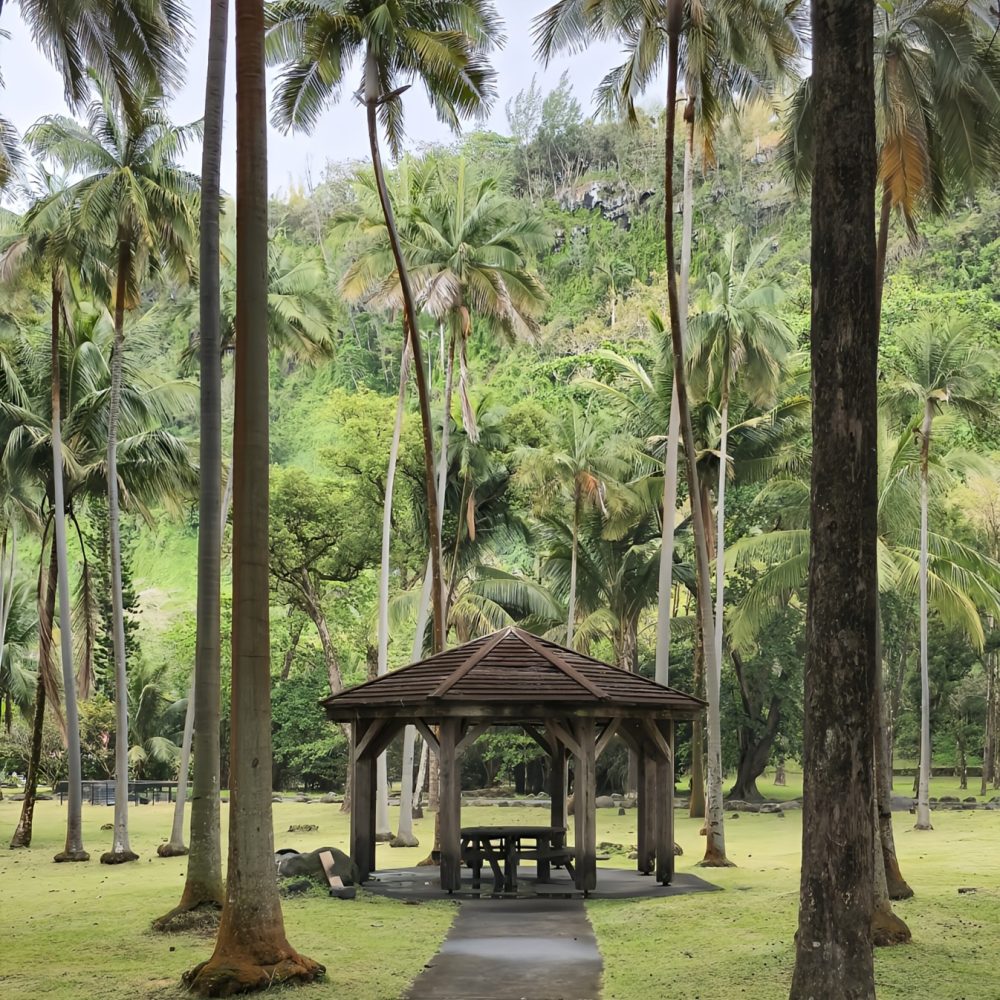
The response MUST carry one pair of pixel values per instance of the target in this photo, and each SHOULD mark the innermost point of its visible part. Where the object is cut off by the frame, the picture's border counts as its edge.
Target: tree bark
(834, 941)
(372, 97)
(251, 951)
(46, 612)
(121, 851)
(923, 785)
(74, 821)
(755, 748)
(574, 553)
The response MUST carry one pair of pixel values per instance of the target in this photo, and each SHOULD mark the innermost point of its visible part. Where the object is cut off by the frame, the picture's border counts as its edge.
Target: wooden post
(585, 806)
(665, 811)
(362, 804)
(557, 784)
(646, 810)
(450, 806)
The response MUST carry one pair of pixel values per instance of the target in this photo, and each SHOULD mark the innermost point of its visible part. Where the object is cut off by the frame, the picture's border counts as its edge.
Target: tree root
(201, 917)
(118, 857)
(898, 887)
(63, 856)
(713, 859)
(404, 840)
(228, 975)
(888, 929)
(169, 850)
(383, 838)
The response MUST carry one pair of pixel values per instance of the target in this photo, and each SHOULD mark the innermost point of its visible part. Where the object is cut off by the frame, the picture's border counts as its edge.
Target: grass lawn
(76, 932)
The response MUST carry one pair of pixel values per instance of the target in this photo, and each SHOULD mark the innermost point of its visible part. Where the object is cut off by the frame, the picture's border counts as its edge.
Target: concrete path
(526, 949)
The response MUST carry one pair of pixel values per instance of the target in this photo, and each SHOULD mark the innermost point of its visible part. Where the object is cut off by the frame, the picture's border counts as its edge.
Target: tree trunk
(372, 98)
(120, 851)
(74, 821)
(203, 885)
(882, 244)
(715, 844)
(836, 896)
(887, 928)
(696, 806)
(293, 645)
(46, 613)
(923, 785)
(175, 846)
(251, 951)
(989, 737)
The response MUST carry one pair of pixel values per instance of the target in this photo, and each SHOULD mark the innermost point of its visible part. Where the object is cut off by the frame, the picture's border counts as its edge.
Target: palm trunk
(574, 551)
(382, 828)
(120, 850)
(251, 951)
(673, 429)
(833, 946)
(175, 846)
(372, 97)
(882, 243)
(46, 613)
(74, 821)
(715, 842)
(923, 787)
(887, 928)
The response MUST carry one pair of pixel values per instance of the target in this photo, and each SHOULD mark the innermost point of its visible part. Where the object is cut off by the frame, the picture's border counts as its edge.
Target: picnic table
(502, 847)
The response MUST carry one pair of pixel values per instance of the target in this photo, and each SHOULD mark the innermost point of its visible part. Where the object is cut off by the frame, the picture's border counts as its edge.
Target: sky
(33, 88)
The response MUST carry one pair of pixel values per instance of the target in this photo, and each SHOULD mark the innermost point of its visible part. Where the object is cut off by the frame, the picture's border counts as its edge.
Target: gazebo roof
(508, 673)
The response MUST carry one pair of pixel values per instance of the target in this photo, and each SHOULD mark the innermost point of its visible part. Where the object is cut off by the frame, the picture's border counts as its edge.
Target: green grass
(75, 932)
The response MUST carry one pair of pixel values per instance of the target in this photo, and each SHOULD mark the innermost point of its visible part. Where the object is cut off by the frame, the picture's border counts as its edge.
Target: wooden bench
(544, 857)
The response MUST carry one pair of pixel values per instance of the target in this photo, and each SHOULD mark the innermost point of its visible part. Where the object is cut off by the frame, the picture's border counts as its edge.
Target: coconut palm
(132, 197)
(134, 46)
(941, 363)
(937, 94)
(445, 46)
(251, 950)
(20, 625)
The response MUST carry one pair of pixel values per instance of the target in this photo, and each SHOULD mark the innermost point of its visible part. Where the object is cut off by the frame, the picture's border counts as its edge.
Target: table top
(511, 831)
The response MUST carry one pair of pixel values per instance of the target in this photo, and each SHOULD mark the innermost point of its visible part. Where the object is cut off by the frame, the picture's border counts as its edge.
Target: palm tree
(580, 463)
(203, 884)
(134, 197)
(941, 361)
(11, 156)
(133, 46)
(251, 950)
(445, 46)
(937, 95)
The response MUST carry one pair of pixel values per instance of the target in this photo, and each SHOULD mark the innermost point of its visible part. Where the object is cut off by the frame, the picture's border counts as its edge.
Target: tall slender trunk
(251, 951)
(574, 554)
(882, 242)
(923, 786)
(673, 428)
(372, 97)
(74, 821)
(8, 568)
(120, 850)
(382, 828)
(46, 613)
(715, 841)
(203, 886)
(887, 927)
(989, 737)
(833, 946)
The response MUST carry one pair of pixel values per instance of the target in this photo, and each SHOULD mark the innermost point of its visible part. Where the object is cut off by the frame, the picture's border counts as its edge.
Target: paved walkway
(524, 949)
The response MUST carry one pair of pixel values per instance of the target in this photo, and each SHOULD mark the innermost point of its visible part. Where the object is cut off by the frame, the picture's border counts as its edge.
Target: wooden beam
(362, 807)
(449, 806)
(630, 731)
(541, 739)
(564, 736)
(606, 737)
(371, 731)
(585, 806)
(456, 675)
(558, 768)
(646, 815)
(665, 813)
(470, 737)
(560, 664)
(655, 737)
(429, 738)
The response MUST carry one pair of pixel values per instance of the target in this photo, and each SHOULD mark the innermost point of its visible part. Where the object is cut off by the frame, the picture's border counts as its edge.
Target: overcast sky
(33, 89)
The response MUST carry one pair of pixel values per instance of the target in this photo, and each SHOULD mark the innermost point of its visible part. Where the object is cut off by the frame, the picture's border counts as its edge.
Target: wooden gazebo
(569, 703)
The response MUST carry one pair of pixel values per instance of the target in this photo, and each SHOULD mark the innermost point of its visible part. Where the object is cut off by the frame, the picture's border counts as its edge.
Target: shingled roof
(510, 668)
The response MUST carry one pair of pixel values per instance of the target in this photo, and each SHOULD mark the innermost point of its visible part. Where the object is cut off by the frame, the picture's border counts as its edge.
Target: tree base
(678, 850)
(171, 850)
(384, 837)
(229, 975)
(923, 826)
(713, 859)
(17, 842)
(64, 856)
(187, 918)
(118, 857)
(888, 929)
(428, 862)
(898, 888)
(404, 840)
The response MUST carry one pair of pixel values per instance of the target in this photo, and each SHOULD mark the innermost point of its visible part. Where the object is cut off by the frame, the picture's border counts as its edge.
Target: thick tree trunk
(46, 612)
(372, 98)
(924, 783)
(121, 851)
(834, 939)
(696, 806)
(74, 821)
(203, 885)
(251, 951)
(887, 927)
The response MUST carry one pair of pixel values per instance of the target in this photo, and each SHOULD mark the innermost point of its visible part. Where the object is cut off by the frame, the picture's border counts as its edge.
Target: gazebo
(569, 703)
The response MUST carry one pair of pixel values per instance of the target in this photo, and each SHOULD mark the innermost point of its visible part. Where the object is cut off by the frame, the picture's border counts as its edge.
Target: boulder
(948, 798)
(604, 802)
(790, 806)
(329, 799)
(277, 798)
(303, 828)
(308, 865)
(902, 803)
(971, 798)
(772, 808)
